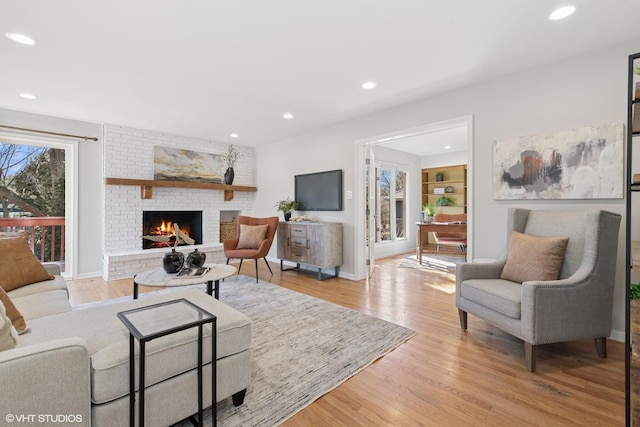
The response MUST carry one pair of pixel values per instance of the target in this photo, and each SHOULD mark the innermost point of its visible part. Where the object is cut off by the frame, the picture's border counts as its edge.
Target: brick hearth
(129, 154)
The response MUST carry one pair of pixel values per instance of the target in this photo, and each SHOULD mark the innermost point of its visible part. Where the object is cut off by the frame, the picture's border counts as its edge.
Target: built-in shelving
(146, 186)
(447, 181)
(450, 182)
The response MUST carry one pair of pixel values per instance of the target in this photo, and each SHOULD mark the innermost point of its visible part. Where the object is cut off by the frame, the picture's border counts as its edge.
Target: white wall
(582, 91)
(277, 163)
(89, 262)
(446, 159)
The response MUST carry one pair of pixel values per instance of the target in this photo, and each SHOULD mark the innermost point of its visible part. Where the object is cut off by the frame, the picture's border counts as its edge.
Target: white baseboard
(617, 335)
(90, 275)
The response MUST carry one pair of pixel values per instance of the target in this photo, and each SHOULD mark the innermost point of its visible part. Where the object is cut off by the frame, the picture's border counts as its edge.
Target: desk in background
(424, 228)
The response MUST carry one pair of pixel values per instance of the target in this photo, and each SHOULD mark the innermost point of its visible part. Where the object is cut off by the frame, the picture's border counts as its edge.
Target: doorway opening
(427, 146)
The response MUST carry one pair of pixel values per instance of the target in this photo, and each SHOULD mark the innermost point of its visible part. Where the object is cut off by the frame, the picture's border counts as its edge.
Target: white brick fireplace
(129, 154)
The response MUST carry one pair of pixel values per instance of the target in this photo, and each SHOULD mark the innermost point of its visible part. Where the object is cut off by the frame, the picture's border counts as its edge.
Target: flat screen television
(320, 191)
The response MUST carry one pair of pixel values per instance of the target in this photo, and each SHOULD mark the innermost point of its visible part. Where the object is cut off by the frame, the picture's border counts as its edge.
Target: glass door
(370, 210)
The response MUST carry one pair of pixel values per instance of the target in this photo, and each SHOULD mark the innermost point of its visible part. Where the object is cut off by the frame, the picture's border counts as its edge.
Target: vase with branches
(229, 160)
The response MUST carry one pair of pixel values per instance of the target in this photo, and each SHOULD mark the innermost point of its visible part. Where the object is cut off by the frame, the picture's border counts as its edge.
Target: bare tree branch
(20, 202)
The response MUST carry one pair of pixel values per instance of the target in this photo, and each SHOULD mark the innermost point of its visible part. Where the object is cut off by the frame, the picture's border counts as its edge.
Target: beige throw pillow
(251, 236)
(13, 314)
(18, 265)
(534, 258)
(7, 336)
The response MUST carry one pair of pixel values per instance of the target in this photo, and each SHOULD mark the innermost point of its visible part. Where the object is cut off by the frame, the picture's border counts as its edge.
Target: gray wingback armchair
(576, 306)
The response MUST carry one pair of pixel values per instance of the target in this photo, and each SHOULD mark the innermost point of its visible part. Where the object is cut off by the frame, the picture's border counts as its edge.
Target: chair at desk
(456, 239)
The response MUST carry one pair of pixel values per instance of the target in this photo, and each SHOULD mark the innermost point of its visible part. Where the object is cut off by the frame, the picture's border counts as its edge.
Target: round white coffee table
(160, 279)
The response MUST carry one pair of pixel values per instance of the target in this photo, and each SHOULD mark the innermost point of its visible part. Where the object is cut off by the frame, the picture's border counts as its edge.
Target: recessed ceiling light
(368, 85)
(562, 12)
(28, 96)
(20, 38)
(234, 135)
(447, 147)
(287, 116)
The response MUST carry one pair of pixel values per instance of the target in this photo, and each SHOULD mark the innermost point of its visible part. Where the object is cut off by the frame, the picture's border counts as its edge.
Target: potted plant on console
(286, 207)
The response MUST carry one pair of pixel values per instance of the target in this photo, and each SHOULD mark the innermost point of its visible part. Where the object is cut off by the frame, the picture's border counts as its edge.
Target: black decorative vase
(287, 216)
(228, 176)
(172, 261)
(196, 259)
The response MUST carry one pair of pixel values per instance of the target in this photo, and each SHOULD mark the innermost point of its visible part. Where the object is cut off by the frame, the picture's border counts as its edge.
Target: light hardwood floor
(442, 376)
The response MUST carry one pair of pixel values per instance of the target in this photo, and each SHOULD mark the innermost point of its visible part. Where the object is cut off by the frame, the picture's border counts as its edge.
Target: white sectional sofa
(76, 362)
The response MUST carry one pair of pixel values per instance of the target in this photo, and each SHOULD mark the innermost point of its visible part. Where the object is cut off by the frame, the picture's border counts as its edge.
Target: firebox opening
(161, 223)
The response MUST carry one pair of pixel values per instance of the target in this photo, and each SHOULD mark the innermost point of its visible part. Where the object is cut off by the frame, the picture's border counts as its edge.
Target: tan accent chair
(576, 306)
(231, 249)
(454, 239)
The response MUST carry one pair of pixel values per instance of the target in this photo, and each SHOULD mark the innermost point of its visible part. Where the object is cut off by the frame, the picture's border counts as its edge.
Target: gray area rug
(302, 347)
(440, 262)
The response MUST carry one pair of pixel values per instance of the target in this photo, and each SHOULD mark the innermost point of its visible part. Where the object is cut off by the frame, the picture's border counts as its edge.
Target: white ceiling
(207, 68)
(438, 139)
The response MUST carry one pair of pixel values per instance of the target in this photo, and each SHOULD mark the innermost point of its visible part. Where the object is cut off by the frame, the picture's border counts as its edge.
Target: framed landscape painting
(584, 163)
(175, 164)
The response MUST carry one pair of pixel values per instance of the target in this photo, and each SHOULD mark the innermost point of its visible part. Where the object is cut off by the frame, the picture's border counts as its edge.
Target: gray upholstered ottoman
(171, 390)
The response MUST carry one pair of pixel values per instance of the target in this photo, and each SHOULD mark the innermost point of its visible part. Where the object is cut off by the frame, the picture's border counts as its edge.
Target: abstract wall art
(584, 163)
(175, 164)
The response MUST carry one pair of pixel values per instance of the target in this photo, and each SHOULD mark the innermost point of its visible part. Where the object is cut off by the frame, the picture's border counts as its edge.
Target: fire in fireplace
(161, 223)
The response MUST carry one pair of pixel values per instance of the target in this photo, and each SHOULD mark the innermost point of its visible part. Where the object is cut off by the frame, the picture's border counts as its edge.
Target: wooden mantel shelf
(146, 186)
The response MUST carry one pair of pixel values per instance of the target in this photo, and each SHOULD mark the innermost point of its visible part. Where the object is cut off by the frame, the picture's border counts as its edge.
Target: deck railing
(46, 235)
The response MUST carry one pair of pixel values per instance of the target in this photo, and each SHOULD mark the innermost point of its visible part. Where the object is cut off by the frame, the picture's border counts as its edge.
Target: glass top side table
(158, 320)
